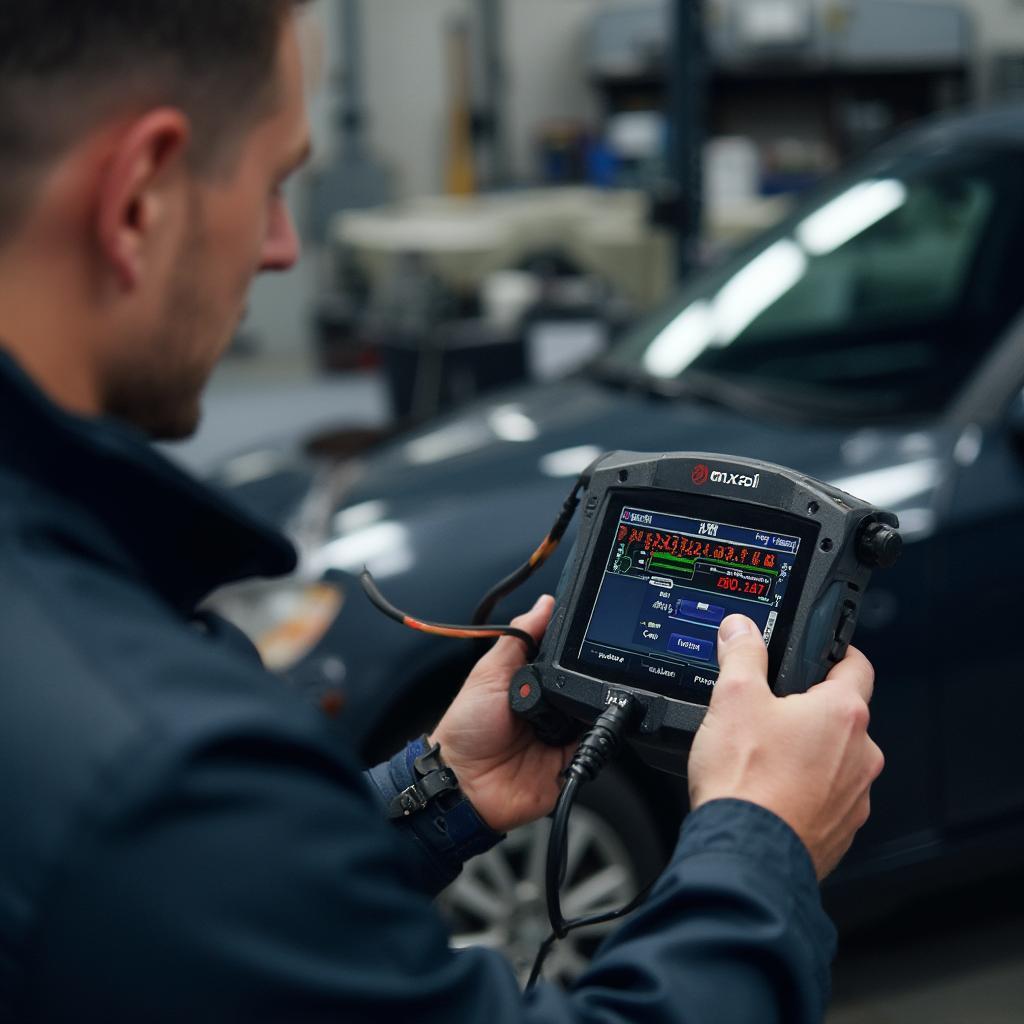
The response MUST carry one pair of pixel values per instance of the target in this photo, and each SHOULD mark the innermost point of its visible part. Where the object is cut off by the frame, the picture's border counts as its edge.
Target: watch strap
(433, 778)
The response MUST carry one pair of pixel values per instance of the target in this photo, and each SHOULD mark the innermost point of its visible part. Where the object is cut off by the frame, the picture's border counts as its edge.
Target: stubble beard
(160, 392)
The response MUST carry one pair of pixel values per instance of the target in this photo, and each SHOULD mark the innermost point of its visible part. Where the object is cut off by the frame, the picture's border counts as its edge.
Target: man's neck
(41, 329)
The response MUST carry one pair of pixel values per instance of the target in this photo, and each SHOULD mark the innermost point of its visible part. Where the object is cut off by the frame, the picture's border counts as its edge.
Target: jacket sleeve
(439, 841)
(252, 879)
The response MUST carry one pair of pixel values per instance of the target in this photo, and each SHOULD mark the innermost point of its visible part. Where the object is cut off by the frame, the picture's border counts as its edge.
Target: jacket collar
(130, 506)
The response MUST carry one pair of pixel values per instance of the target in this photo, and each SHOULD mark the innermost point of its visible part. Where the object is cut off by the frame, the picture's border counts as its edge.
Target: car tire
(614, 851)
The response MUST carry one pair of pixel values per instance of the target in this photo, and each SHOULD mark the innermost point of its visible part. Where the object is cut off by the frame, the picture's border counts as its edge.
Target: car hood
(541, 438)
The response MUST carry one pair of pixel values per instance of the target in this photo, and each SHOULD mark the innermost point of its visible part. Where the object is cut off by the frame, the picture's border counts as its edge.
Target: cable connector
(597, 748)
(603, 740)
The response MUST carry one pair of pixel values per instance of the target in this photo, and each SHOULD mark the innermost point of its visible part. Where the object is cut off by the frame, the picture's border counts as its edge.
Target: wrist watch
(433, 779)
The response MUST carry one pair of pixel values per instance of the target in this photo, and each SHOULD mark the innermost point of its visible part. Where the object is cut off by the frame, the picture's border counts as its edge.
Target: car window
(911, 263)
(889, 290)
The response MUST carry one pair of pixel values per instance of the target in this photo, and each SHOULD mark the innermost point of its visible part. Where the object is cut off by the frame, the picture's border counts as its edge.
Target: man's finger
(742, 655)
(510, 652)
(855, 673)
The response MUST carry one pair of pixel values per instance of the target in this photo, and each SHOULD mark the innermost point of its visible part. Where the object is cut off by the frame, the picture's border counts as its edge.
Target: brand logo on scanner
(701, 475)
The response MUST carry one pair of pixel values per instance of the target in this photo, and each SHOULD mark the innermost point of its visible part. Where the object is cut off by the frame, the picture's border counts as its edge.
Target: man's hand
(807, 757)
(510, 777)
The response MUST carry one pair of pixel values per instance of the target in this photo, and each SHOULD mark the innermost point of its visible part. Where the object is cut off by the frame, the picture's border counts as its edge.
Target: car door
(898, 608)
(979, 625)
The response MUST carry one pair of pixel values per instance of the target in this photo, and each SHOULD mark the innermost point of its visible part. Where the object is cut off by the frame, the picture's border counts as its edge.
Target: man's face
(235, 226)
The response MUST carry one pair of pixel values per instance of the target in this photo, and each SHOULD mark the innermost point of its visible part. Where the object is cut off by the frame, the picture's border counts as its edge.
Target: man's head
(143, 147)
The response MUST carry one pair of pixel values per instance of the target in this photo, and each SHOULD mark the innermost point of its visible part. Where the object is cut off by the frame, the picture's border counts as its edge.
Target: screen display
(664, 582)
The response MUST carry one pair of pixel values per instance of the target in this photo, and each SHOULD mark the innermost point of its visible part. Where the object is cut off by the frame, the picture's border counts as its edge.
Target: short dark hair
(65, 63)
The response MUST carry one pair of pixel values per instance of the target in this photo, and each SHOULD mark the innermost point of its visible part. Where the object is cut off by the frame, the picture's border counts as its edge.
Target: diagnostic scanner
(668, 546)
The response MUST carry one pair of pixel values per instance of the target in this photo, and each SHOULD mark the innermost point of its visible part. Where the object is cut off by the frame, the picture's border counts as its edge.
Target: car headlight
(284, 620)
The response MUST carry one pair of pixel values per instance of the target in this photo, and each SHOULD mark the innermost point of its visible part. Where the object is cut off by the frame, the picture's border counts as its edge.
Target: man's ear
(137, 190)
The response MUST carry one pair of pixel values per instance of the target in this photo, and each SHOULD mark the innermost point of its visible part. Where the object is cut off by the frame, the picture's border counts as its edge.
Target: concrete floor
(251, 402)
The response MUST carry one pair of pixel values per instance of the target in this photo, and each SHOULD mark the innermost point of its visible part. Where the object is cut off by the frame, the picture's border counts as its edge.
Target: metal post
(351, 113)
(491, 115)
(353, 179)
(688, 88)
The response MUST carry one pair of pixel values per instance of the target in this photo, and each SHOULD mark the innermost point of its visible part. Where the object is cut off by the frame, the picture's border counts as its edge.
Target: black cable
(516, 579)
(554, 874)
(382, 604)
(584, 922)
(596, 749)
(479, 629)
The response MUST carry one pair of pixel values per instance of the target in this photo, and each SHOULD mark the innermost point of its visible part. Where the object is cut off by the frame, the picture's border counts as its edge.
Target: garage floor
(958, 959)
(254, 401)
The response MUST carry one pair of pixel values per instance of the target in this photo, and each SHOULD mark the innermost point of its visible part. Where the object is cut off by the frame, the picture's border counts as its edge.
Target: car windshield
(877, 299)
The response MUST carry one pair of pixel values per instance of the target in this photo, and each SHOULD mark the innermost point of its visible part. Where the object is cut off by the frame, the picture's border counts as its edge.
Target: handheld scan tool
(670, 545)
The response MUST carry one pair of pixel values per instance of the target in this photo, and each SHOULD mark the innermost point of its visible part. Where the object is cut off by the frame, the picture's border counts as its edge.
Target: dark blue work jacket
(183, 838)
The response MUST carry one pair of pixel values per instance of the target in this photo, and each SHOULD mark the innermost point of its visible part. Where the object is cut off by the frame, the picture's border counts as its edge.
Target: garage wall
(544, 45)
(1000, 31)
(1000, 23)
(404, 53)
(407, 86)
(407, 81)
(278, 322)
(545, 49)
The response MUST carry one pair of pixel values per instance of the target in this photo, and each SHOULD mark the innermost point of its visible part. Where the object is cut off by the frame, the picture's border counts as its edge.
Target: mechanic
(183, 837)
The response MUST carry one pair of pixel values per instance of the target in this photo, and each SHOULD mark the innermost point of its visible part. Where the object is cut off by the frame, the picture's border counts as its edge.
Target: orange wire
(459, 634)
(543, 553)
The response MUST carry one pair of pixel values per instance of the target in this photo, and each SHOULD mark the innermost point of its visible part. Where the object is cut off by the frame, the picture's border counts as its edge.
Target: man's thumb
(508, 651)
(742, 655)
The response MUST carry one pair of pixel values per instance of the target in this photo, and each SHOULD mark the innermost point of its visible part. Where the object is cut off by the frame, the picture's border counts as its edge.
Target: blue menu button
(701, 611)
(691, 647)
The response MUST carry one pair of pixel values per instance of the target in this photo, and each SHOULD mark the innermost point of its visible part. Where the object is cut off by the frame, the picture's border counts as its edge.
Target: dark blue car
(875, 340)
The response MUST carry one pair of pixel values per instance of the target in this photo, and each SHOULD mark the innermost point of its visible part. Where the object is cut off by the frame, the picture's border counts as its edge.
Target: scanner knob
(879, 546)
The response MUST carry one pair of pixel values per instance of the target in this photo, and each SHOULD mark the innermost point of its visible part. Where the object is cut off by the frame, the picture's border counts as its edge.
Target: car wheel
(498, 900)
